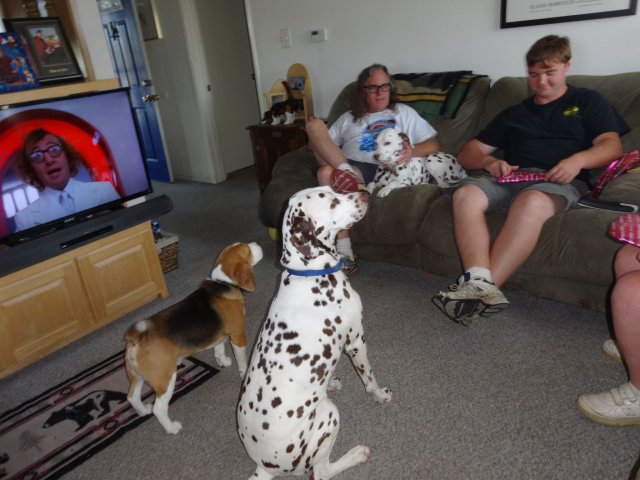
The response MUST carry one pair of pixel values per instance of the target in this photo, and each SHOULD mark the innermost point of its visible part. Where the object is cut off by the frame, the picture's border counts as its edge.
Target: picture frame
(16, 72)
(522, 13)
(47, 47)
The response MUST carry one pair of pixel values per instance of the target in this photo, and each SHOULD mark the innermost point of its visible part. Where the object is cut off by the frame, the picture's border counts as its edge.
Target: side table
(270, 143)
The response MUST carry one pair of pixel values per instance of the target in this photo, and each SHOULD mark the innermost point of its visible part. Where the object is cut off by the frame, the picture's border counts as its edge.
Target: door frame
(203, 89)
(254, 56)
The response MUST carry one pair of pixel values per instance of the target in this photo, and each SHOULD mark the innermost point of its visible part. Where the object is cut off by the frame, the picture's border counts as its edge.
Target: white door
(227, 52)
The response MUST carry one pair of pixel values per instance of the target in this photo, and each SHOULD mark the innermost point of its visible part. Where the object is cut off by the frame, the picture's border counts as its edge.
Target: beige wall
(421, 36)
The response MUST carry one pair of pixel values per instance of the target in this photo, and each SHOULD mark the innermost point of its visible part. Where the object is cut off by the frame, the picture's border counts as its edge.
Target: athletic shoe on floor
(610, 349)
(619, 406)
(346, 181)
(470, 298)
(350, 266)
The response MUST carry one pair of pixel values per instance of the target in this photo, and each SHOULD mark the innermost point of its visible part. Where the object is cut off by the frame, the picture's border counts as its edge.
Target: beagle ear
(303, 236)
(244, 276)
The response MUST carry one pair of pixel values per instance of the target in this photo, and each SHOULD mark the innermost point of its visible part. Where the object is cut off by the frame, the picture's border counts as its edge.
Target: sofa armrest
(292, 172)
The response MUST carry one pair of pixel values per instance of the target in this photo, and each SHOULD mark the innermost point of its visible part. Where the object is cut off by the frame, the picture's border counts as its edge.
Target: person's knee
(536, 204)
(316, 129)
(469, 196)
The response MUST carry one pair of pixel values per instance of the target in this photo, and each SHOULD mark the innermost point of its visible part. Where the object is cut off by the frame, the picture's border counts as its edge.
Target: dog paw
(143, 409)
(224, 361)
(173, 428)
(384, 191)
(383, 395)
(359, 454)
(334, 384)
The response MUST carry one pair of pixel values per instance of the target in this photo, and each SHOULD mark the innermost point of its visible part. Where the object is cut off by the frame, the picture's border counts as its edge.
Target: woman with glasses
(350, 142)
(49, 164)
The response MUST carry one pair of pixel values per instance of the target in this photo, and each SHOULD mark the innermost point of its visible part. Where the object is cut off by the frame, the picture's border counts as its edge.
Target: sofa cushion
(396, 218)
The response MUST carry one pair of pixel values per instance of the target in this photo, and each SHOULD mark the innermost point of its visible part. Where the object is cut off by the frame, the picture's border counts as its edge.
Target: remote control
(606, 205)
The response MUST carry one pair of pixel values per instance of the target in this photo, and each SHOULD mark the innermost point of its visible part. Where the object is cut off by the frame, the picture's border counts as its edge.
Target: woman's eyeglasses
(38, 156)
(385, 87)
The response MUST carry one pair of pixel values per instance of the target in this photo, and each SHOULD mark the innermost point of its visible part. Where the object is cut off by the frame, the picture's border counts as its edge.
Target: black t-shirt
(539, 136)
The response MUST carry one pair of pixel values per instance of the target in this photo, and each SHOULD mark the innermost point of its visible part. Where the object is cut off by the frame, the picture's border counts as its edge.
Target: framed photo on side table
(47, 47)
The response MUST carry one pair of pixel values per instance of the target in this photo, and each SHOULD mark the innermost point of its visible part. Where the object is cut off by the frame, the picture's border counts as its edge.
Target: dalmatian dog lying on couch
(285, 419)
(440, 167)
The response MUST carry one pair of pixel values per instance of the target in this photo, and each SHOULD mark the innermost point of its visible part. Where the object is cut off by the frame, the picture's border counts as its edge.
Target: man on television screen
(49, 164)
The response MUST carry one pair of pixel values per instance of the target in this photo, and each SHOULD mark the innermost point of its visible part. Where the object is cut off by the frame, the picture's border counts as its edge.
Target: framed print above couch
(522, 13)
(47, 47)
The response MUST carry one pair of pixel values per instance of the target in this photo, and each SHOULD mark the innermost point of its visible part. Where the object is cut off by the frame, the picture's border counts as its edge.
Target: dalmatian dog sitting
(443, 168)
(285, 419)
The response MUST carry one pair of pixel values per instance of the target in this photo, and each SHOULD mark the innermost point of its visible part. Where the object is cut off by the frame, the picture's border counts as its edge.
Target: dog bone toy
(626, 228)
(346, 181)
(521, 177)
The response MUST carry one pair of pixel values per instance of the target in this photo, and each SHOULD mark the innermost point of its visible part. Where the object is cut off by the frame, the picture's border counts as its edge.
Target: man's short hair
(549, 49)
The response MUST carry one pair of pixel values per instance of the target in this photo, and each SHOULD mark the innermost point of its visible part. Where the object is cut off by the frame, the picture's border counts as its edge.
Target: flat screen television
(65, 160)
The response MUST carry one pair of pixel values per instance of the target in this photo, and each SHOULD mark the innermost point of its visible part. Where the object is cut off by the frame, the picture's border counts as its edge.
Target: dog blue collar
(317, 273)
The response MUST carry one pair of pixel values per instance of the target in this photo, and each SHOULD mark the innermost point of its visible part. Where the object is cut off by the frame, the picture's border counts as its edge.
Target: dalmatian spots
(285, 420)
(440, 168)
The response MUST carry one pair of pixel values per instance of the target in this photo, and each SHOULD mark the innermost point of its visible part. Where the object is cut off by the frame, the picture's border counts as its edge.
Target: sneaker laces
(470, 285)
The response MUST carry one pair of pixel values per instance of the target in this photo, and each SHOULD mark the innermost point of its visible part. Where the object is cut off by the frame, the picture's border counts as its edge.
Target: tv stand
(57, 288)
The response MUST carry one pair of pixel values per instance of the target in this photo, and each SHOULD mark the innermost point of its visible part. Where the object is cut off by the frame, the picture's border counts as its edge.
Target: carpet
(57, 430)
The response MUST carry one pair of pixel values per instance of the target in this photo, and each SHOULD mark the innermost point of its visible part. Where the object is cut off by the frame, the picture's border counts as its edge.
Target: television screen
(66, 159)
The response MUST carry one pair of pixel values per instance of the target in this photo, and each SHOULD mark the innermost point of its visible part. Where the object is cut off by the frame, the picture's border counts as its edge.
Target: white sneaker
(610, 349)
(618, 406)
(469, 298)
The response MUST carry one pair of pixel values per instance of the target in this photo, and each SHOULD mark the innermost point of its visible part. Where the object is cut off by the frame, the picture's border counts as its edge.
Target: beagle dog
(285, 419)
(204, 319)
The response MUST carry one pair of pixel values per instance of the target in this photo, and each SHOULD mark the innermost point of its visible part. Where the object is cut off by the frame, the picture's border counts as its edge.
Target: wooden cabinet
(270, 143)
(50, 304)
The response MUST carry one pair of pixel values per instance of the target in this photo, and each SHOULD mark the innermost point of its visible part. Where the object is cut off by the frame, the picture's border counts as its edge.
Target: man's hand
(564, 172)
(500, 167)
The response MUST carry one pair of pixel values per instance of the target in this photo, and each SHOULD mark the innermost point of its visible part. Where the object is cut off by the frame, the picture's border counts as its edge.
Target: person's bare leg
(625, 307)
(320, 143)
(521, 230)
(329, 156)
(621, 405)
(469, 205)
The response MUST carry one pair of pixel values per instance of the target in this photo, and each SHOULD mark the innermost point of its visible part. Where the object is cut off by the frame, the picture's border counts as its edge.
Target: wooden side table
(271, 142)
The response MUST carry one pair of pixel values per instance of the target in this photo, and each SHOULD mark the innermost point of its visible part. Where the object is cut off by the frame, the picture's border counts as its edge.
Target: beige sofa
(572, 262)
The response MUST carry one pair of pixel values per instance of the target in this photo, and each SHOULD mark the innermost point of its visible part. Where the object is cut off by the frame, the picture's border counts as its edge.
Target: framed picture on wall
(15, 70)
(522, 13)
(47, 48)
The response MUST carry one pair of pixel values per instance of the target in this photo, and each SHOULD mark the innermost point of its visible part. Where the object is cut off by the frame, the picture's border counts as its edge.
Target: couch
(572, 262)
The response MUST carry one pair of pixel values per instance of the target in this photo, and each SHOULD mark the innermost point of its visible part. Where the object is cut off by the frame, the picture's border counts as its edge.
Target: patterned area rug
(62, 427)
